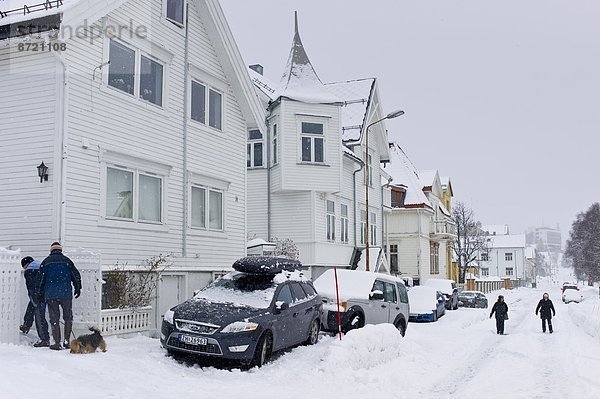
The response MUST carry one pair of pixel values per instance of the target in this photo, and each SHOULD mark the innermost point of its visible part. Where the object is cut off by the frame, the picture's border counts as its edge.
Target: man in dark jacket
(36, 310)
(501, 310)
(58, 273)
(544, 307)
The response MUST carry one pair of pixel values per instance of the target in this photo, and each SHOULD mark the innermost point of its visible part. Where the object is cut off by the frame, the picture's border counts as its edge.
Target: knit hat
(26, 261)
(55, 246)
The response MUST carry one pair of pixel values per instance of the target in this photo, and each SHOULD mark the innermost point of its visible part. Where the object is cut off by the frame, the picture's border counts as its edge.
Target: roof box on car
(265, 265)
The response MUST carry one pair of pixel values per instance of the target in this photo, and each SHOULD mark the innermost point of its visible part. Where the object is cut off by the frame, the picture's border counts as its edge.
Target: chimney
(257, 68)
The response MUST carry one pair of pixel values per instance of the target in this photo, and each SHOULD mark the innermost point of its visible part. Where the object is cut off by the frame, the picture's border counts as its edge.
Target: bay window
(312, 142)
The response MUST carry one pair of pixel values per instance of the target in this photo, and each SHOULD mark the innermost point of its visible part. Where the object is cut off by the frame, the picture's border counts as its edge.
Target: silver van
(364, 298)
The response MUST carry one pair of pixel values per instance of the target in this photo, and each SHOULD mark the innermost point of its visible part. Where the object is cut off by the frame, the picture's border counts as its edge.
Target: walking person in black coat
(544, 307)
(501, 310)
(36, 309)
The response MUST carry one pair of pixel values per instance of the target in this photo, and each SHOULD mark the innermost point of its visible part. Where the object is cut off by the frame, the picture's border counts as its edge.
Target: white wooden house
(306, 175)
(419, 227)
(506, 257)
(140, 109)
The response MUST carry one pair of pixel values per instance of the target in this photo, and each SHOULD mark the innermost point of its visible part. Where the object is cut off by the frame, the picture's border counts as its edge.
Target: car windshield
(241, 289)
(467, 294)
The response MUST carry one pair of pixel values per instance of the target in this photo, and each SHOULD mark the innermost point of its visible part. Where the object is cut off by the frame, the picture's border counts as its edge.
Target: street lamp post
(391, 115)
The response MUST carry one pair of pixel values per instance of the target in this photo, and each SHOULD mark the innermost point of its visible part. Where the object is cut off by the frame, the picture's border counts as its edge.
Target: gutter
(185, 134)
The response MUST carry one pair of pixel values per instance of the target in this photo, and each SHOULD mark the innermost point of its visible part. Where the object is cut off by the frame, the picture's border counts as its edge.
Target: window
(310, 291)
(297, 292)
(285, 295)
(402, 293)
(199, 102)
(509, 271)
(390, 293)
(373, 228)
(397, 197)
(274, 144)
(330, 221)
(508, 256)
(378, 285)
(363, 227)
(485, 272)
(485, 257)
(121, 201)
(174, 10)
(145, 83)
(201, 213)
(255, 149)
(121, 70)
(394, 258)
(344, 224)
(312, 142)
(151, 81)
(434, 258)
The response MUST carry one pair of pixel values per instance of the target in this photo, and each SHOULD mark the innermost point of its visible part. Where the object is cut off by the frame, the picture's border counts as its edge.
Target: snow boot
(56, 335)
(68, 329)
(24, 329)
(42, 344)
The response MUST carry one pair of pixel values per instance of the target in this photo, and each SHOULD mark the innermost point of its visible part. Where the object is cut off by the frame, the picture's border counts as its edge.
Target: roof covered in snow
(300, 81)
(508, 241)
(427, 177)
(404, 173)
(496, 229)
(356, 95)
(12, 11)
(263, 84)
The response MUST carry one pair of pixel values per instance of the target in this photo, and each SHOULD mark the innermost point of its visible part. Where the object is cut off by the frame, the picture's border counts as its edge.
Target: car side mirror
(376, 295)
(280, 306)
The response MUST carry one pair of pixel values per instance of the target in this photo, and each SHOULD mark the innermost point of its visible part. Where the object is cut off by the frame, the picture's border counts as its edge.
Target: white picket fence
(86, 308)
(11, 284)
(126, 321)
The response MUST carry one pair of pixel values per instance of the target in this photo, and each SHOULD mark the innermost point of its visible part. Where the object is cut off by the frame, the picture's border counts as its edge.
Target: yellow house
(446, 199)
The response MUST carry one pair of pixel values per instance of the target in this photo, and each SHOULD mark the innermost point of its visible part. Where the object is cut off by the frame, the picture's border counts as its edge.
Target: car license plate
(191, 340)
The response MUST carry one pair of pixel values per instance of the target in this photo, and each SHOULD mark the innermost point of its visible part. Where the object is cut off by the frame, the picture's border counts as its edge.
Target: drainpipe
(268, 144)
(419, 247)
(384, 241)
(185, 135)
(362, 164)
(63, 132)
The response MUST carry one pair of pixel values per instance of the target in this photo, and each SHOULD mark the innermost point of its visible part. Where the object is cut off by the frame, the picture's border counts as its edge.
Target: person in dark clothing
(501, 310)
(544, 307)
(58, 274)
(36, 310)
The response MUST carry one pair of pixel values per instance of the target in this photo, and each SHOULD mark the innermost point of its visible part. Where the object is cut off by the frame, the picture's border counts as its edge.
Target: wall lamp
(42, 172)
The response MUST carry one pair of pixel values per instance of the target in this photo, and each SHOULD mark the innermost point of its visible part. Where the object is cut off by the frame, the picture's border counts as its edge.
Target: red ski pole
(337, 295)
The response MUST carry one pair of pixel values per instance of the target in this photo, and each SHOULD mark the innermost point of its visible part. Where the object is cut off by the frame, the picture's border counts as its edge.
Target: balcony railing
(443, 228)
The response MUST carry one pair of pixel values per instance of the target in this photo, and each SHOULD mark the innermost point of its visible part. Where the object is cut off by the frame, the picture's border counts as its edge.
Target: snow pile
(355, 284)
(586, 315)
(422, 299)
(366, 348)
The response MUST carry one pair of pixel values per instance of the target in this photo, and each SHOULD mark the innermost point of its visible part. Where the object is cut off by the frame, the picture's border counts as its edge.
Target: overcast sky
(504, 98)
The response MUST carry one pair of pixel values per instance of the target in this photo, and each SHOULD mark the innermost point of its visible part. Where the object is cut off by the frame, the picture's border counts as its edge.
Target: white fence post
(86, 308)
(10, 295)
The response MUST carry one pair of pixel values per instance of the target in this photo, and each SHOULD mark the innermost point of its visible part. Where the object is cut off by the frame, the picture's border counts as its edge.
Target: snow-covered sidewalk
(459, 356)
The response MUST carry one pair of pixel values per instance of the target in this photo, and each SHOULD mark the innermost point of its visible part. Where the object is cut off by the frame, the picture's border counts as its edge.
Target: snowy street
(459, 356)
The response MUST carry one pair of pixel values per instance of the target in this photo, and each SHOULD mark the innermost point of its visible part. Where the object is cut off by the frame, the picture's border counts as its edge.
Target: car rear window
(297, 292)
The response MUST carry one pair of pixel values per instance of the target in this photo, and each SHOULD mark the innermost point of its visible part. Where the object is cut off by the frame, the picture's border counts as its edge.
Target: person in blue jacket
(58, 274)
(36, 309)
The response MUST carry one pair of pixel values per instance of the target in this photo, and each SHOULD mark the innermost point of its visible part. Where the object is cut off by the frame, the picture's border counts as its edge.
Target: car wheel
(401, 326)
(313, 335)
(262, 353)
(357, 320)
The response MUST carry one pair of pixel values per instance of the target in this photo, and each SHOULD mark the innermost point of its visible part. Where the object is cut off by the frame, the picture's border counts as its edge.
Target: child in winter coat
(544, 307)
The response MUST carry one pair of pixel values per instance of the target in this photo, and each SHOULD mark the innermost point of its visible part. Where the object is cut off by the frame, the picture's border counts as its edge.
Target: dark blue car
(245, 317)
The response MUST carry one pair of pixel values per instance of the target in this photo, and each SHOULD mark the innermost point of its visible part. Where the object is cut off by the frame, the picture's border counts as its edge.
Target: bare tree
(470, 239)
(286, 248)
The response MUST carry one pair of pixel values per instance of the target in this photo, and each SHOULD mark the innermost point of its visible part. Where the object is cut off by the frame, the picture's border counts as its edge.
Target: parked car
(569, 286)
(472, 299)
(365, 298)
(427, 304)
(246, 316)
(446, 287)
(572, 295)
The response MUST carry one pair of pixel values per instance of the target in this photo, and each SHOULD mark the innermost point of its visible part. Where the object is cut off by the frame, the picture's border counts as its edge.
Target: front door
(171, 293)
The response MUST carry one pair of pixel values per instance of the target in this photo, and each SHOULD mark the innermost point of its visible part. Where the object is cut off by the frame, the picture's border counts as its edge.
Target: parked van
(365, 298)
(446, 287)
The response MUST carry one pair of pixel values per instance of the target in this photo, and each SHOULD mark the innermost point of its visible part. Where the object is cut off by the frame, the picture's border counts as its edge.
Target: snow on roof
(351, 154)
(37, 9)
(404, 173)
(266, 86)
(508, 241)
(356, 95)
(300, 81)
(427, 177)
(496, 229)
(258, 242)
(445, 180)
(444, 210)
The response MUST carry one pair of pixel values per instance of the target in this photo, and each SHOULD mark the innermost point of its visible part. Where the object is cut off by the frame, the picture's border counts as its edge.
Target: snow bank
(586, 314)
(367, 348)
(422, 299)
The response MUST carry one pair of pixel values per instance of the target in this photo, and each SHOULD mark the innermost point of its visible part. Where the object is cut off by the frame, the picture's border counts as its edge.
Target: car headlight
(239, 326)
(168, 317)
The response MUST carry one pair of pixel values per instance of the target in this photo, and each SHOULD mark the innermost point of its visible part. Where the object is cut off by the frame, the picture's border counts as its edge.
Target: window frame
(137, 76)
(508, 256)
(363, 227)
(485, 257)
(173, 21)
(207, 207)
(251, 150)
(313, 137)
(373, 228)
(511, 273)
(485, 271)
(274, 145)
(208, 88)
(394, 256)
(344, 224)
(330, 221)
(434, 258)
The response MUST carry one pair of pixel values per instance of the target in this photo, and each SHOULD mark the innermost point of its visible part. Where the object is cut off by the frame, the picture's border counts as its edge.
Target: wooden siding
(28, 125)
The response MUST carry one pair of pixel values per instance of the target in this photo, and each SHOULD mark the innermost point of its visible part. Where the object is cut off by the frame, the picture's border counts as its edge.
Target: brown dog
(88, 343)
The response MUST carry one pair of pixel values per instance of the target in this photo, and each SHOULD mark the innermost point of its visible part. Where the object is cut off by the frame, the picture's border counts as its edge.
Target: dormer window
(254, 149)
(312, 142)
